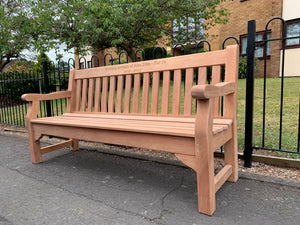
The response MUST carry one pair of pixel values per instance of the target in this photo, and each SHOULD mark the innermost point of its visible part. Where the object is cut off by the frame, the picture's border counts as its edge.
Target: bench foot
(206, 187)
(75, 145)
(35, 151)
(230, 158)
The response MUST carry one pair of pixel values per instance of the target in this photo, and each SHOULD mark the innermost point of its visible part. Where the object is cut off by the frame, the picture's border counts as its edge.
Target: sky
(51, 54)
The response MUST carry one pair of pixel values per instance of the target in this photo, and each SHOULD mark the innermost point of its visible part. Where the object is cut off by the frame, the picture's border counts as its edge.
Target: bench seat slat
(130, 123)
(143, 117)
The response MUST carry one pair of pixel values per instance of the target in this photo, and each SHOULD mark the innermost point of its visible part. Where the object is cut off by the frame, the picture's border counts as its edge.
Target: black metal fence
(13, 84)
(252, 44)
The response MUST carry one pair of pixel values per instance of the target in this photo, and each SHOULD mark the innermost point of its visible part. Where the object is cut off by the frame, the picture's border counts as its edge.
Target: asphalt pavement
(89, 187)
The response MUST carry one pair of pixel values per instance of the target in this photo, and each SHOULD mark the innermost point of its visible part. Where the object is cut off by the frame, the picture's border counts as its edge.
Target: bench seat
(154, 132)
(173, 126)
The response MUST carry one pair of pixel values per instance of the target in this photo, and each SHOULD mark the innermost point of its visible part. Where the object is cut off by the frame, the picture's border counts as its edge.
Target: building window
(259, 50)
(187, 29)
(293, 30)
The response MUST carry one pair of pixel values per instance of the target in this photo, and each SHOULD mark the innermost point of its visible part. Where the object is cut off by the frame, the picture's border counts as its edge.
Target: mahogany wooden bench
(129, 105)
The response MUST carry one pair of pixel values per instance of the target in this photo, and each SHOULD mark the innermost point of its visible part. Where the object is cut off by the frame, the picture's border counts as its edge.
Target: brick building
(241, 12)
(262, 11)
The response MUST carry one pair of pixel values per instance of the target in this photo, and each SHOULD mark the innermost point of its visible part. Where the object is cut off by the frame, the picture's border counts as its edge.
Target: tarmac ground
(89, 187)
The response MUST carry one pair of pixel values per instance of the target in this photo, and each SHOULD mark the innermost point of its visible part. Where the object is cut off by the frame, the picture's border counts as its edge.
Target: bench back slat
(187, 94)
(97, 95)
(127, 100)
(176, 93)
(202, 75)
(119, 94)
(136, 93)
(216, 78)
(145, 95)
(155, 93)
(104, 94)
(112, 89)
(165, 93)
(156, 87)
(78, 94)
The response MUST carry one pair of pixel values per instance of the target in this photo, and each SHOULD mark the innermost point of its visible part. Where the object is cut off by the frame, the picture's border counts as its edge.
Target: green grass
(290, 112)
(272, 113)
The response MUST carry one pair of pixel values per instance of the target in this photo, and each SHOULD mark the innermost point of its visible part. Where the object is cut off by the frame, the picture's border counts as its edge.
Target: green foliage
(14, 30)
(243, 67)
(40, 59)
(157, 54)
(126, 24)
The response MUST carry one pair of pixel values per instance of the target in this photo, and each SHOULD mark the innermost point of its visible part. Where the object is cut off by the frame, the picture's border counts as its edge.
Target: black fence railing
(251, 46)
(13, 84)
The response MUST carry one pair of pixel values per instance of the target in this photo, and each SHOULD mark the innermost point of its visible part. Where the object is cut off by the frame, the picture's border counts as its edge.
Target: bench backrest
(161, 86)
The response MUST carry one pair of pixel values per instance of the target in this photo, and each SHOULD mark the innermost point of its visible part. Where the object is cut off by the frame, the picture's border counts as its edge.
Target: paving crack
(163, 199)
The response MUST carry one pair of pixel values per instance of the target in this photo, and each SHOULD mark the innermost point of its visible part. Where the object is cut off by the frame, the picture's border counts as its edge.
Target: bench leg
(231, 158)
(206, 185)
(35, 150)
(75, 145)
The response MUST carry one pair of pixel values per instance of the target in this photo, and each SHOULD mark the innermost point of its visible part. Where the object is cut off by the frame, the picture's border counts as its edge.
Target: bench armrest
(206, 91)
(42, 97)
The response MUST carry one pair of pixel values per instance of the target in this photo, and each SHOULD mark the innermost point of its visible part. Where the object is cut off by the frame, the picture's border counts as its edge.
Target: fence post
(249, 93)
(46, 86)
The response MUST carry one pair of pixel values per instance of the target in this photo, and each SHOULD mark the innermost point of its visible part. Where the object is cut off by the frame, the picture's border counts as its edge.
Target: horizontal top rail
(175, 63)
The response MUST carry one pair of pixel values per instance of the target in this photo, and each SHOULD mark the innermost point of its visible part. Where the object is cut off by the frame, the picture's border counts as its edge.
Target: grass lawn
(272, 115)
(290, 112)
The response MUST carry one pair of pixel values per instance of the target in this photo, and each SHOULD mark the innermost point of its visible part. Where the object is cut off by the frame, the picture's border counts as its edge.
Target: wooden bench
(146, 104)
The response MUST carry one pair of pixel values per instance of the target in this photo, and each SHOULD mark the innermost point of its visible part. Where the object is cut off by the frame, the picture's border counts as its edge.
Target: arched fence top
(228, 38)
(137, 51)
(162, 52)
(82, 57)
(282, 21)
(73, 65)
(203, 41)
(121, 53)
(95, 57)
(111, 57)
(179, 44)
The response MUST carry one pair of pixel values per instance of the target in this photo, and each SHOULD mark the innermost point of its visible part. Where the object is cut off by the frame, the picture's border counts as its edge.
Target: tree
(14, 26)
(126, 24)
(38, 66)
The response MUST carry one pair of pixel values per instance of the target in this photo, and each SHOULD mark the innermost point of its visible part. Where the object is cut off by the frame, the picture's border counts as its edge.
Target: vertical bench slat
(216, 78)
(91, 95)
(176, 92)
(202, 75)
(112, 90)
(78, 94)
(165, 93)
(84, 94)
(189, 78)
(104, 94)
(155, 93)
(119, 94)
(145, 97)
(127, 99)
(97, 95)
(136, 93)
